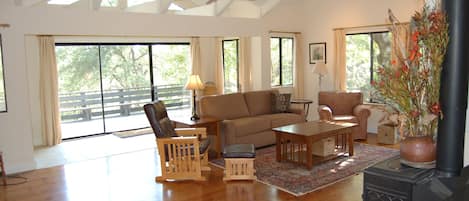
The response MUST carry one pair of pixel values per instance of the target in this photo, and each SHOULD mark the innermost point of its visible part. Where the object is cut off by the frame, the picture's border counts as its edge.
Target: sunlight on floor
(90, 148)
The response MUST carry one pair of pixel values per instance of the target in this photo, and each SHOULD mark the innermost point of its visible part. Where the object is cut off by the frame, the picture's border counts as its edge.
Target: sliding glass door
(79, 90)
(103, 87)
(126, 85)
(170, 73)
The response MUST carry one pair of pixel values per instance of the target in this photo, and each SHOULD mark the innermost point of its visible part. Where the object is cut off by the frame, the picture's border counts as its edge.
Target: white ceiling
(225, 8)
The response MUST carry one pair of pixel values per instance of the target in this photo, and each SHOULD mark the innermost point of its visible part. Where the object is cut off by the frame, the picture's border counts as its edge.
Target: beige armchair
(345, 107)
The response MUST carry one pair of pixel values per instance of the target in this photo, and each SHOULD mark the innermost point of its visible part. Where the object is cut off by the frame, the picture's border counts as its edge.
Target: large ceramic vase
(418, 152)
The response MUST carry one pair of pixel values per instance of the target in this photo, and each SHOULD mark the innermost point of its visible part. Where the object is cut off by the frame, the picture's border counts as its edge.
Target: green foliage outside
(360, 49)
(123, 66)
(286, 61)
(230, 65)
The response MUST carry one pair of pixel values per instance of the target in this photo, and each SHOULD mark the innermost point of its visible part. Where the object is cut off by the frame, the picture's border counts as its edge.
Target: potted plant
(411, 84)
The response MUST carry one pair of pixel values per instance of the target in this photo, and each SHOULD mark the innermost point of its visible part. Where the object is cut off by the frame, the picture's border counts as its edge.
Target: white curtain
(219, 80)
(195, 56)
(48, 90)
(298, 67)
(245, 64)
(340, 71)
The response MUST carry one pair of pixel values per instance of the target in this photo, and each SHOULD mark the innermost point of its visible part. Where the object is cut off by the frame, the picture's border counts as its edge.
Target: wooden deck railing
(87, 105)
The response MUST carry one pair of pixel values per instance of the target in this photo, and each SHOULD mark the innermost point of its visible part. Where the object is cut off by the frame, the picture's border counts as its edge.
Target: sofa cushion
(227, 106)
(259, 102)
(280, 103)
(246, 126)
(282, 119)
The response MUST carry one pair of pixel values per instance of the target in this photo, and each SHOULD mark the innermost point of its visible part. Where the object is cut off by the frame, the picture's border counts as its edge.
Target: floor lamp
(321, 70)
(194, 83)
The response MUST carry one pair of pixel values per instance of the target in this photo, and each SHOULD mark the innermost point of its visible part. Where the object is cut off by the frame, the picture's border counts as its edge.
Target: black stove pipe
(453, 91)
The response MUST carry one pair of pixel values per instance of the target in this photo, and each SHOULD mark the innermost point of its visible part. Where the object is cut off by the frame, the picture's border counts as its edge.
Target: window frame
(369, 33)
(237, 62)
(280, 38)
(3, 76)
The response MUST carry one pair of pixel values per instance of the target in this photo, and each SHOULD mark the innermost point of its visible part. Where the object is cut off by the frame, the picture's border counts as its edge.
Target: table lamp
(194, 83)
(321, 70)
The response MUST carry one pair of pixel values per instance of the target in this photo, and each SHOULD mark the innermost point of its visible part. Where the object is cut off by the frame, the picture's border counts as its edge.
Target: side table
(212, 125)
(305, 102)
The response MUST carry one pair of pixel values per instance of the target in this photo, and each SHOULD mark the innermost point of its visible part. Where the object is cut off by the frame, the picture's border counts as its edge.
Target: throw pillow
(280, 103)
(166, 128)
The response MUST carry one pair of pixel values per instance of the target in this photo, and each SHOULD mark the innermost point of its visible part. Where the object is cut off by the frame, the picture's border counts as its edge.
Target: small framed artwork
(317, 52)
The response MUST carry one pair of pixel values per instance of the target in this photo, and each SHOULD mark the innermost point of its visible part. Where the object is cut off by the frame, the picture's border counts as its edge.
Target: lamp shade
(194, 83)
(320, 69)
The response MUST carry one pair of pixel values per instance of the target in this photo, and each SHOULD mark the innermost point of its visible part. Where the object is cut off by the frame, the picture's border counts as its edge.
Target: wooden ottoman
(239, 162)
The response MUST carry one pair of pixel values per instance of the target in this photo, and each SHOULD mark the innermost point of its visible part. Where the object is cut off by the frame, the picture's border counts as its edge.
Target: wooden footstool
(239, 162)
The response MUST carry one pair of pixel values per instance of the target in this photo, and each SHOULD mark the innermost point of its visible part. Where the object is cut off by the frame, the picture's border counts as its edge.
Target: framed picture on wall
(317, 52)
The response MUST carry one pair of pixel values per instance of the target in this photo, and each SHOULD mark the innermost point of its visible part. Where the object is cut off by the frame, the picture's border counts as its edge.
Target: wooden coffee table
(295, 141)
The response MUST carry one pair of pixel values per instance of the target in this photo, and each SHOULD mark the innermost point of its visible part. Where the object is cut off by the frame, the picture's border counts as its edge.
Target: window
(103, 87)
(109, 3)
(3, 103)
(230, 65)
(365, 52)
(281, 53)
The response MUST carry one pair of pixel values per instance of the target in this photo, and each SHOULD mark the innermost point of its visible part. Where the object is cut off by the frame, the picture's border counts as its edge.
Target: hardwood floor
(130, 176)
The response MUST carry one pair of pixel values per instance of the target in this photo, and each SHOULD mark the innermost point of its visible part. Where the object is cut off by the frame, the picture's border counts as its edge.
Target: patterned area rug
(297, 180)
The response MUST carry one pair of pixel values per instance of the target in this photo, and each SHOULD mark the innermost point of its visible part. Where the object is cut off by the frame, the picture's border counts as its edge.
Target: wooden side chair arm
(202, 132)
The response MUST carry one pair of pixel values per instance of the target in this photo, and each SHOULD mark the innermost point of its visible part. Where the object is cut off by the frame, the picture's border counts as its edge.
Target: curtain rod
(4, 25)
(289, 32)
(367, 26)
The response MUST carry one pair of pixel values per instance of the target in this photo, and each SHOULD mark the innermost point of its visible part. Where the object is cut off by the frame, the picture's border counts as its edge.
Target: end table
(212, 125)
(305, 102)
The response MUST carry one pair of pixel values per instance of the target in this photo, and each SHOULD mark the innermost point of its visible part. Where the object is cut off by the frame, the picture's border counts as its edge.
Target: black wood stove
(449, 181)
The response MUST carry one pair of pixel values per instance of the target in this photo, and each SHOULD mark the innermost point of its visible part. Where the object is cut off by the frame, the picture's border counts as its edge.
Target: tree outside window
(281, 53)
(230, 65)
(365, 52)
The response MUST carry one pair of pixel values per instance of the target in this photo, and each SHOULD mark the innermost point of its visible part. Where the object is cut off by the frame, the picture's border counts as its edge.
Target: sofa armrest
(361, 111)
(229, 132)
(325, 112)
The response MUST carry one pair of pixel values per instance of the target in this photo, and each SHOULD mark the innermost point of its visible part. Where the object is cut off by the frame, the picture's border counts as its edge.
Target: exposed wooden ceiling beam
(221, 6)
(268, 6)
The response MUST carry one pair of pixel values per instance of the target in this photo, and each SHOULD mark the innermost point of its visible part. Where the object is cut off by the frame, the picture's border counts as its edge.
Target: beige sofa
(247, 117)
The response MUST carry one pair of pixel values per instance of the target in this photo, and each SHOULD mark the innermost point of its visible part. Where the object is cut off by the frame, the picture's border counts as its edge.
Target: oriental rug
(297, 180)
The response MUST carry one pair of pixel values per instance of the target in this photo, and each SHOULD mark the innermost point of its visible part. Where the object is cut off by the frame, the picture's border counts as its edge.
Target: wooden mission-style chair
(183, 152)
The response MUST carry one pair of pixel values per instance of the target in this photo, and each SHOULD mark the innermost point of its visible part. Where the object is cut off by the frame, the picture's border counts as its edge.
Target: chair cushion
(166, 128)
(345, 118)
(282, 119)
(280, 103)
(259, 102)
(227, 106)
(249, 125)
(239, 151)
(204, 144)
